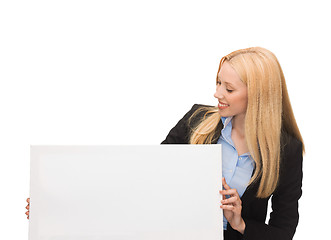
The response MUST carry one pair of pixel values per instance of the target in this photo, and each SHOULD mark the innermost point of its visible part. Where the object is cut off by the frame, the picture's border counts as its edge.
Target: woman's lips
(222, 105)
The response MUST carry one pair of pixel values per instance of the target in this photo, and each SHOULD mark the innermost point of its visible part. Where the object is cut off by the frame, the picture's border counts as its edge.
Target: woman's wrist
(241, 227)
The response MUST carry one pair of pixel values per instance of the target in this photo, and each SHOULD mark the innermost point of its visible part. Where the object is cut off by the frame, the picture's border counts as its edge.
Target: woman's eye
(220, 83)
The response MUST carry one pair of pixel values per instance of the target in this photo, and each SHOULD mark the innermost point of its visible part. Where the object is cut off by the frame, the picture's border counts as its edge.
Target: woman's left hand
(232, 207)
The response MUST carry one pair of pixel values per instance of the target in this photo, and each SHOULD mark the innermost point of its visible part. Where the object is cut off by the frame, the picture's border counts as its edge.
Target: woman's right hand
(28, 207)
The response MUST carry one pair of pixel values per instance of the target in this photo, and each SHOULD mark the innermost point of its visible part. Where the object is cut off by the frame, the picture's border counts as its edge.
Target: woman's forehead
(228, 75)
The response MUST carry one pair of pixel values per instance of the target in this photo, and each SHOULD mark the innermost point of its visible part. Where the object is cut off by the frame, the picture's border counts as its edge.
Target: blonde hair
(269, 112)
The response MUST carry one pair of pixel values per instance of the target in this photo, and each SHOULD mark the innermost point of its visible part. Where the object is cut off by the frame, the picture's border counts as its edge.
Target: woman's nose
(218, 94)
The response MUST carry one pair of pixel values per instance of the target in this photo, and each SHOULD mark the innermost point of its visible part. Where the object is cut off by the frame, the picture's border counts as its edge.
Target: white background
(124, 72)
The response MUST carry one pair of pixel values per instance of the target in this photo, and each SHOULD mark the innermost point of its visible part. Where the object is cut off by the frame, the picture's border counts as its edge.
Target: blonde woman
(262, 145)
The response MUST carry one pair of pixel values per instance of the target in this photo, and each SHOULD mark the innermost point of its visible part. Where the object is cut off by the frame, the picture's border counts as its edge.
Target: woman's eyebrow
(227, 83)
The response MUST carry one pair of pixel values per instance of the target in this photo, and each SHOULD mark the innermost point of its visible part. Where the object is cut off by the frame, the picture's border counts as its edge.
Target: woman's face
(231, 92)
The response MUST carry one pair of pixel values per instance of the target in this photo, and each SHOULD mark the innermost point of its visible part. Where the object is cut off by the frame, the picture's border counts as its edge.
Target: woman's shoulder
(289, 142)
(181, 131)
(201, 108)
(197, 111)
(197, 106)
(291, 154)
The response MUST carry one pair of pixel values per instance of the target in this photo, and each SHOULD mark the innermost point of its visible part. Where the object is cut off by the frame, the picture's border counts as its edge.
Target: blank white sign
(163, 192)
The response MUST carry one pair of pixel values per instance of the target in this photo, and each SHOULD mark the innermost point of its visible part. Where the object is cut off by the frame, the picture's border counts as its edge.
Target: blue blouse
(237, 170)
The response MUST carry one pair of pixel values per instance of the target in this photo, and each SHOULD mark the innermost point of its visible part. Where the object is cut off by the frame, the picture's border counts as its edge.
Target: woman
(262, 145)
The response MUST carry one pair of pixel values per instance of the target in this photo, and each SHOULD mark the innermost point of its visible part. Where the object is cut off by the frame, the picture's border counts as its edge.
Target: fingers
(227, 207)
(223, 196)
(225, 185)
(231, 192)
(28, 207)
(235, 201)
(233, 204)
(228, 190)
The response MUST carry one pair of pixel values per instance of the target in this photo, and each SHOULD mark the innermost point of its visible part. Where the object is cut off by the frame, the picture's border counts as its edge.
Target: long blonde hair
(269, 112)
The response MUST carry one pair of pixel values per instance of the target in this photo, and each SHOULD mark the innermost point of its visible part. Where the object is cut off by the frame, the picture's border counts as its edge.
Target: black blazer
(284, 216)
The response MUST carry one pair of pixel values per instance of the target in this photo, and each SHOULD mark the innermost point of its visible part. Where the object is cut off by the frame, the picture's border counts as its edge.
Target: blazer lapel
(250, 193)
(217, 132)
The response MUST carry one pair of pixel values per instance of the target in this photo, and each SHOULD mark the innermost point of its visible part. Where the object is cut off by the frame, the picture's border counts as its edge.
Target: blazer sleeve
(284, 216)
(179, 134)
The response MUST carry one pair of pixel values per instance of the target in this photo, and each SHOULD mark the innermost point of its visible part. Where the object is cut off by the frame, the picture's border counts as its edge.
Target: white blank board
(163, 192)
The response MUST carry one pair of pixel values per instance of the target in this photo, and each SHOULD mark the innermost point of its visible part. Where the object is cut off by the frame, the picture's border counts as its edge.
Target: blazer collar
(218, 132)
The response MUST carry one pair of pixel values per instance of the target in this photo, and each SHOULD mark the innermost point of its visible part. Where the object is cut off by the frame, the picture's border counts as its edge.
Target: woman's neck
(238, 124)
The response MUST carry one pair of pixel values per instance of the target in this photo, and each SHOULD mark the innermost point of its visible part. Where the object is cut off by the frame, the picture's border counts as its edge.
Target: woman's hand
(232, 208)
(28, 207)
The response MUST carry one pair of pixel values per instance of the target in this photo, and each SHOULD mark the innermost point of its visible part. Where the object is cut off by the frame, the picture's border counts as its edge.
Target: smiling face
(231, 92)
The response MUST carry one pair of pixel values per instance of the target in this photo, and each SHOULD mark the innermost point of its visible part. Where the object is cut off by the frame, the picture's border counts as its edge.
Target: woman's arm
(284, 216)
(179, 134)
